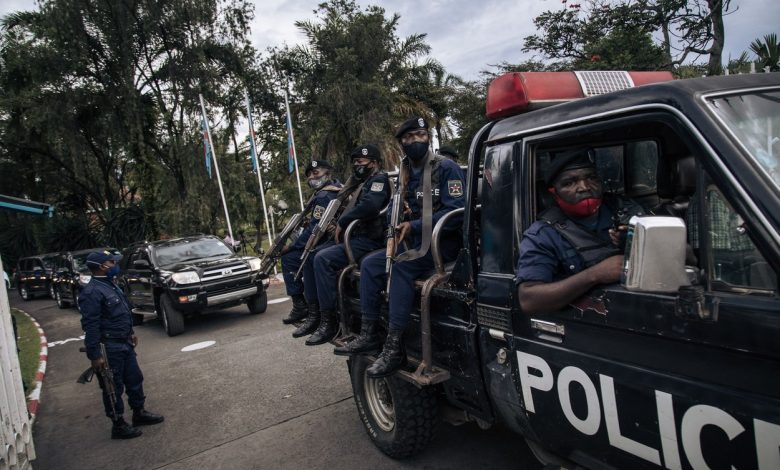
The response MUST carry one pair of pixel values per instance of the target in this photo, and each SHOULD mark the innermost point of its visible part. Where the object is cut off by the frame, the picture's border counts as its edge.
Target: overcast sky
(468, 35)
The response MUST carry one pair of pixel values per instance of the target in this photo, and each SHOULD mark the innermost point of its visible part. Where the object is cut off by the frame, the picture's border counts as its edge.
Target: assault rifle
(105, 377)
(396, 217)
(331, 214)
(274, 251)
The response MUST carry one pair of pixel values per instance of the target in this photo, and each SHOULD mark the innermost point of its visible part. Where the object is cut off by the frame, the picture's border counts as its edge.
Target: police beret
(569, 160)
(413, 124)
(448, 151)
(96, 258)
(366, 151)
(317, 164)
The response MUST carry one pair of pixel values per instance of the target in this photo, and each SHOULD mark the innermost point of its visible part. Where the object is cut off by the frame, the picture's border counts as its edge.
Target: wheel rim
(380, 403)
(52, 293)
(59, 299)
(23, 291)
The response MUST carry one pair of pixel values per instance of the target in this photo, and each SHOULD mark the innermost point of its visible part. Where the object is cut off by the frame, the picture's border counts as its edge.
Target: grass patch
(29, 344)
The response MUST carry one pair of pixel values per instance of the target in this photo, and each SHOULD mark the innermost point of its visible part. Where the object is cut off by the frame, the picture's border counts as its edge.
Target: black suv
(34, 275)
(184, 276)
(71, 274)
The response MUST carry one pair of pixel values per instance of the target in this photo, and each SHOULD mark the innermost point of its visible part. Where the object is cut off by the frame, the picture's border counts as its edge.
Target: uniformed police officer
(446, 183)
(106, 318)
(319, 176)
(367, 236)
(574, 245)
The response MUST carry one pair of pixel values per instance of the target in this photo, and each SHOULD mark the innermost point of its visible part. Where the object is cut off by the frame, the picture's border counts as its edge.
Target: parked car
(34, 275)
(71, 275)
(186, 276)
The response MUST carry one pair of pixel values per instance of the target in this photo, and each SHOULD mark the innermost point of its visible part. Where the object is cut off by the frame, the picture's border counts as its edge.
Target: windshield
(187, 250)
(754, 118)
(80, 264)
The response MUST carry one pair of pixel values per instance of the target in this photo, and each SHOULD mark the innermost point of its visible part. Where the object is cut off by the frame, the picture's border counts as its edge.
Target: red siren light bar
(517, 92)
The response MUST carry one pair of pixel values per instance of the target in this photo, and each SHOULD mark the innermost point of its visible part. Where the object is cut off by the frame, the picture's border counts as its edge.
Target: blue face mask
(416, 151)
(113, 271)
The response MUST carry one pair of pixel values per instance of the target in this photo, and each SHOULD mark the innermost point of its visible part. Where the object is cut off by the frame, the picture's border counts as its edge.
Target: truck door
(625, 379)
(138, 280)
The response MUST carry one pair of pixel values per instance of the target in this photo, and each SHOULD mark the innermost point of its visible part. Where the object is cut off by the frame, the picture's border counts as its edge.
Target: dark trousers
(291, 261)
(373, 281)
(330, 261)
(127, 379)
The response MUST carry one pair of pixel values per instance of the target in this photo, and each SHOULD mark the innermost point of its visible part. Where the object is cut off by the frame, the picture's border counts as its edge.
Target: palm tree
(768, 52)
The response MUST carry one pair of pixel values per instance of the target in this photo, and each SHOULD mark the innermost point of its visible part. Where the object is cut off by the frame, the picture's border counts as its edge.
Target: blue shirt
(321, 201)
(449, 192)
(105, 312)
(545, 256)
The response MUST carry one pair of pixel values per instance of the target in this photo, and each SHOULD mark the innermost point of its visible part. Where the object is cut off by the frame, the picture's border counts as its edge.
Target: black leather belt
(115, 339)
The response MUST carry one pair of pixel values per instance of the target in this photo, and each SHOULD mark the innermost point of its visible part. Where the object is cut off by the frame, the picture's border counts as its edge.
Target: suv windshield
(754, 119)
(186, 250)
(80, 264)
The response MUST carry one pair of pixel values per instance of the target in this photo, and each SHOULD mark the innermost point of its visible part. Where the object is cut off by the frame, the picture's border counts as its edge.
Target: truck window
(496, 254)
(736, 262)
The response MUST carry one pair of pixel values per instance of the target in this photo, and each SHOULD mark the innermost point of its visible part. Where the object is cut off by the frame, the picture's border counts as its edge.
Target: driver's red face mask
(580, 209)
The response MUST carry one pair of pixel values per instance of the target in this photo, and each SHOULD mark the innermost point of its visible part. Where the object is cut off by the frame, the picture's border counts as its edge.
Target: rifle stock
(293, 225)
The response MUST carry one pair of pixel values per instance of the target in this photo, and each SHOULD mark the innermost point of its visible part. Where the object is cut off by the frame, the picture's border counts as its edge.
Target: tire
(60, 302)
(75, 299)
(400, 418)
(257, 303)
(24, 293)
(52, 292)
(173, 319)
(138, 319)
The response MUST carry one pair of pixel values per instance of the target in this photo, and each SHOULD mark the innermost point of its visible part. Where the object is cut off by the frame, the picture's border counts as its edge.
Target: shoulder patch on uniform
(455, 188)
(377, 186)
(318, 211)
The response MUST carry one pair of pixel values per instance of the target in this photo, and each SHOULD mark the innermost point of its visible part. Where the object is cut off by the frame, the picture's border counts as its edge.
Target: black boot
(311, 323)
(329, 326)
(142, 417)
(299, 310)
(392, 357)
(122, 430)
(366, 342)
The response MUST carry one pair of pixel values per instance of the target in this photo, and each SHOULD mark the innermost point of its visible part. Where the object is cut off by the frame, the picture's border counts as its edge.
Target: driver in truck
(575, 245)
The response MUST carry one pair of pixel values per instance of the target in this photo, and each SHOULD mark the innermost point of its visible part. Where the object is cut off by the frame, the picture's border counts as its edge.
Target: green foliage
(29, 344)
(768, 52)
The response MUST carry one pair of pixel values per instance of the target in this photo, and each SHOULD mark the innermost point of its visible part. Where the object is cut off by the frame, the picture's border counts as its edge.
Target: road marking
(63, 341)
(278, 301)
(196, 346)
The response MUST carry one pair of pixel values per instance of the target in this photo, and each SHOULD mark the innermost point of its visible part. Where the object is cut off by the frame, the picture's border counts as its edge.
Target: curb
(33, 399)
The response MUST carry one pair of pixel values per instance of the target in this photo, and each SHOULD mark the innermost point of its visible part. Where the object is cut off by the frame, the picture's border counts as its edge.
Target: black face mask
(416, 151)
(361, 172)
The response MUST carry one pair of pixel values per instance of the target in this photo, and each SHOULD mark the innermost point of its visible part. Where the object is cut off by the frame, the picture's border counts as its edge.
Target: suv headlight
(186, 277)
(254, 264)
(84, 278)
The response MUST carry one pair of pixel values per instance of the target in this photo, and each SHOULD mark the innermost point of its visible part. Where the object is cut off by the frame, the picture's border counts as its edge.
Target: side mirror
(655, 254)
(141, 264)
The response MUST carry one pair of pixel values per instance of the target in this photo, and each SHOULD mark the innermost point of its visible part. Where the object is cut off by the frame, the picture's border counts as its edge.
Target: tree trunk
(714, 66)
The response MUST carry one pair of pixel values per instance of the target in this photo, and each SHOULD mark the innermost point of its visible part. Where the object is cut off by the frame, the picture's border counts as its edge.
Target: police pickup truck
(676, 367)
(187, 276)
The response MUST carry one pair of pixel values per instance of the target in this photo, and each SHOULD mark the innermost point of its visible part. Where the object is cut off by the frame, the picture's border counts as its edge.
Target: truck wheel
(60, 302)
(173, 320)
(399, 417)
(24, 293)
(75, 294)
(138, 319)
(257, 303)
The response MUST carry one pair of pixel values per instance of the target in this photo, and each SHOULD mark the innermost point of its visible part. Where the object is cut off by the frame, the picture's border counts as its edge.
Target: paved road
(256, 399)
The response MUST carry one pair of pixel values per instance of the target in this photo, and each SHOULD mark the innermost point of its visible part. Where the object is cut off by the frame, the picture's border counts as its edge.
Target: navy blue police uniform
(366, 237)
(106, 319)
(447, 185)
(291, 260)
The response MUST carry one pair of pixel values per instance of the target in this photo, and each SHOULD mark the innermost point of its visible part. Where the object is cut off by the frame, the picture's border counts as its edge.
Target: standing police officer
(368, 235)
(319, 175)
(447, 185)
(106, 318)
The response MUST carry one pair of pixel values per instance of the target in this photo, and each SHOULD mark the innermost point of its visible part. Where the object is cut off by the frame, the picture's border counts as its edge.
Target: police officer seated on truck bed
(446, 183)
(573, 246)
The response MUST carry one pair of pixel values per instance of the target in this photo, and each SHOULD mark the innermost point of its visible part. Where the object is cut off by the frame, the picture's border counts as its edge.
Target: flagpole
(216, 167)
(292, 141)
(256, 163)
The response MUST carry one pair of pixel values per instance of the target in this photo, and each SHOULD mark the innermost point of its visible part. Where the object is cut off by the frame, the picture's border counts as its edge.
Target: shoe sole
(389, 373)
(323, 341)
(147, 424)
